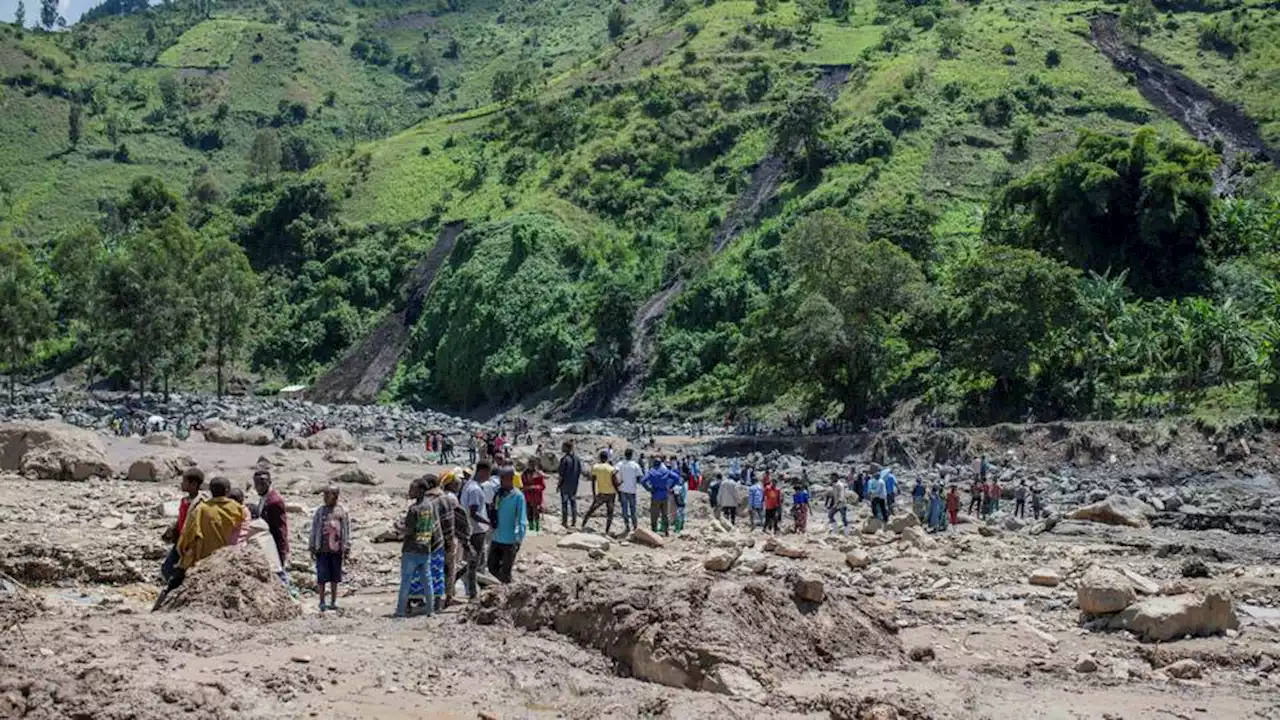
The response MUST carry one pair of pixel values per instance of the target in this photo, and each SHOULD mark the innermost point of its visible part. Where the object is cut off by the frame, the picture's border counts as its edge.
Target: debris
(1045, 577)
(1102, 592)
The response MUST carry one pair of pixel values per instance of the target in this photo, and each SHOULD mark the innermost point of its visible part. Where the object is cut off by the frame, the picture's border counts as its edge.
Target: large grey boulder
(1170, 617)
(52, 451)
(1115, 510)
(1103, 592)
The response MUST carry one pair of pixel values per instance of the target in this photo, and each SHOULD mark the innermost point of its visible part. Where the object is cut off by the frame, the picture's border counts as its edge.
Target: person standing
(570, 472)
(800, 508)
(713, 494)
(272, 509)
(192, 481)
(680, 498)
(993, 492)
(533, 484)
(330, 544)
(953, 504)
(421, 536)
(729, 498)
(604, 485)
(1035, 502)
(890, 490)
(937, 510)
(977, 495)
(755, 503)
(919, 502)
(478, 522)
(208, 528)
(772, 506)
(509, 532)
(860, 486)
(628, 481)
(837, 503)
(455, 529)
(1020, 500)
(878, 492)
(659, 481)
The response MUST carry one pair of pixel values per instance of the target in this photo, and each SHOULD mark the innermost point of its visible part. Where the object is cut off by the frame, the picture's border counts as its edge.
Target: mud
(1205, 115)
(701, 633)
(234, 583)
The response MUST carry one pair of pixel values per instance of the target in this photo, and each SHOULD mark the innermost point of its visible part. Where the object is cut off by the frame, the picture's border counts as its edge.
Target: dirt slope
(362, 373)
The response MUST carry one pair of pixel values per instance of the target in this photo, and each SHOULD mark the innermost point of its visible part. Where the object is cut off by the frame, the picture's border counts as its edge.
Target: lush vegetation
(974, 215)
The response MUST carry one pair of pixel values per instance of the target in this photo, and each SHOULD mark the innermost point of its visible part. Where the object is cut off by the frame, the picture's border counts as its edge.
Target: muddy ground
(944, 627)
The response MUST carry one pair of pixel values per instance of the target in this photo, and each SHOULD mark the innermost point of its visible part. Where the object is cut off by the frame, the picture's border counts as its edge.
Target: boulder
(52, 451)
(1086, 664)
(332, 439)
(220, 431)
(783, 550)
(1103, 592)
(1045, 577)
(857, 559)
(1013, 524)
(754, 560)
(1169, 617)
(584, 541)
(732, 680)
(1185, 669)
(1194, 568)
(809, 588)
(257, 436)
(719, 560)
(356, 475)
(917, 537)
(338, 458)
(158, 468)
(161, 439)
(899, 523)
(871, 526)
(1115, 510)
(1144, 585)
(646, 537)
(294, 442)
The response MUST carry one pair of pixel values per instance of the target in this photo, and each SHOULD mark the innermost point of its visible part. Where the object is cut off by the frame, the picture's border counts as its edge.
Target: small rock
(645, 536)
(1141, 583)
(809, 588)
(304, 659)
(1186, 669)
(1045, 577)
(1103, 592)
(857, 559)
(720, 560)
(1086, 664)
(922, 653)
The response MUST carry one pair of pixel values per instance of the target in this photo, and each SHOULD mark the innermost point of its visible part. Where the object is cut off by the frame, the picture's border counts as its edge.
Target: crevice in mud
(615, 396)
(364, 370)
(1206, 116)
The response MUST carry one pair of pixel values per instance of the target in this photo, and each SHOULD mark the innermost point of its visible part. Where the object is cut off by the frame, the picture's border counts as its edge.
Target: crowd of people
(463, 520)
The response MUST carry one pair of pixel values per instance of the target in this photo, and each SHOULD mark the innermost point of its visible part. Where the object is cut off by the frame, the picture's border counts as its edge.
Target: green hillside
(938, 236)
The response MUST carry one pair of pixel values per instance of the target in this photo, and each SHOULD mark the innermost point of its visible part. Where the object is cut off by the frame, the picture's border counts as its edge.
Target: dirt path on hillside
(362, 373)
(1205, 115)
(617, 398)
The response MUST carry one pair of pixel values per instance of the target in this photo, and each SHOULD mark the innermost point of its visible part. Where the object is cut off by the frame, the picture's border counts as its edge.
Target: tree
(24, 309)
(170, 93)
(226, 290)
(1138, 18)
(800, 127)
(840, 9)
(512, 83)
(617, 21)
(113, 128)
(146, 311)
(908, 224)
(1141, 205)
(20, 14)
(48, 13)
(265, 153)
(75, 260)
(811, 11)
(1008, 301)
(73, 125)
(950, 34)
(834, 333)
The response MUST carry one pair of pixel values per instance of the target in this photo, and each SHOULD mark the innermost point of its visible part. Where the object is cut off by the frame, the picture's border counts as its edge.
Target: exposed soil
(234, 583)
(362, 373)
(1205, 115)
(616, 398)
(910, 625)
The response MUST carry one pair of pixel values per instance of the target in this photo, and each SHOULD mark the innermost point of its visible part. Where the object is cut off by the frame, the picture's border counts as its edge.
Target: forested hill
(920, 207)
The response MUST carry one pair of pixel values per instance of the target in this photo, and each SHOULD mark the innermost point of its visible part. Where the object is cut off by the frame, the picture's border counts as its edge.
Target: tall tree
(801, 125)
(146, 312)
(77, 256)
(48, 13)
(24, 310)
(226, 290)
(73, 125)
(20, 14)
(1138, 18)
(265, 153)
(617, 21)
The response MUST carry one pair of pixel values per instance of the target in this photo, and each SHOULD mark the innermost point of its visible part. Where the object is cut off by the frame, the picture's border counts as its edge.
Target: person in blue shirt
(918, 501)
(800, 507)
(510, 526)
(890, 491)
(876, 490)
(659, 481)
(755, 503)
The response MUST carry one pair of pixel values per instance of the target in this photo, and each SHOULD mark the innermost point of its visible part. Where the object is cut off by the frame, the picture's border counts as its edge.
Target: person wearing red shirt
(192, 481)
(534, 483)
(953, 504)
(772, 505)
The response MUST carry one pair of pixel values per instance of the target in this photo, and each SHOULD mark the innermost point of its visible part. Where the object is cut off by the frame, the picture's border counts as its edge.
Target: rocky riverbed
(1151, 591)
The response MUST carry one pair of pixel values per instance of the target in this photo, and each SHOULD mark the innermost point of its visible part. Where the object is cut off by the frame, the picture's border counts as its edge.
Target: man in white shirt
(730, 496)
(628, 479)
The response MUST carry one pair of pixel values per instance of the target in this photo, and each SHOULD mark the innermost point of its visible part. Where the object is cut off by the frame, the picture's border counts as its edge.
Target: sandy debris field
(1122, 610)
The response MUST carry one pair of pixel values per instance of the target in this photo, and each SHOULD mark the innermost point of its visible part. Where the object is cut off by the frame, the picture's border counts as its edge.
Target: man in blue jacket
(510, 527)
(659, 481)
